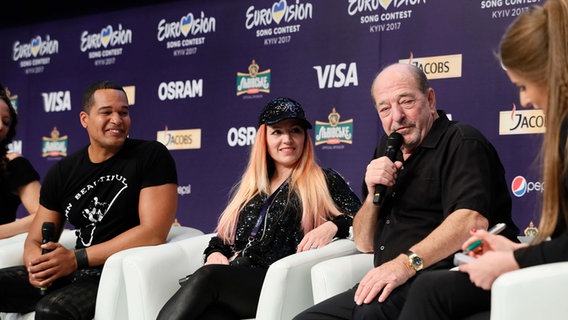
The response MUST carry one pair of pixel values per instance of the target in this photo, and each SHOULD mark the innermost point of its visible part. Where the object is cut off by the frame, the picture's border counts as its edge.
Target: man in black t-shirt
(446, 180)
(117, 192)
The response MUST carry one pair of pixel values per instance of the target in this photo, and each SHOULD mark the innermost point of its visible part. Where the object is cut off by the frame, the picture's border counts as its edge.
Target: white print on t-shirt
(109, 187)
(96, 210)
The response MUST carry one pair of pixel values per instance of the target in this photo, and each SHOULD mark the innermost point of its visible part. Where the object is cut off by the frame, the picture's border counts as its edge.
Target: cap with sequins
(283, 108)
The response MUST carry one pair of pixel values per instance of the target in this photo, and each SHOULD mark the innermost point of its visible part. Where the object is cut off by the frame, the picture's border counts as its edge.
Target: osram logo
(520, 186)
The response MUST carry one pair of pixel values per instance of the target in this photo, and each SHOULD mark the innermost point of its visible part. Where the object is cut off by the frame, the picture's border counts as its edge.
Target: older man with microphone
(420, 204)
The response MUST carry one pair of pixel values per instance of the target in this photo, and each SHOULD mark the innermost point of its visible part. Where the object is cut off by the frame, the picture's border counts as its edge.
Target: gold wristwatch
(414, 260)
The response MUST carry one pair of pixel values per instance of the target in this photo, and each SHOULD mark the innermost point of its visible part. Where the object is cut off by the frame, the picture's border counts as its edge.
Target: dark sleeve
(467, 173)
(474, 178)
(345, 199)
(555, 250)
(160, 167)
(49, 193)
(216, 244)
(20, 173)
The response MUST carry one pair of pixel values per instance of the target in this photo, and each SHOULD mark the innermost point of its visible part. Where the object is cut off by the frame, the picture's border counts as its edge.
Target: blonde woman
(534, 53)
(285, 203)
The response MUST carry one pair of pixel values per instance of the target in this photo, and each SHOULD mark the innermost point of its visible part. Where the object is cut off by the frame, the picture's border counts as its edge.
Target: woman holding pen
(534, 53)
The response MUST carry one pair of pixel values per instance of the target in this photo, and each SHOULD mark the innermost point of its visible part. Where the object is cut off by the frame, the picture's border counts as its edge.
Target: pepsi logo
(519, 186)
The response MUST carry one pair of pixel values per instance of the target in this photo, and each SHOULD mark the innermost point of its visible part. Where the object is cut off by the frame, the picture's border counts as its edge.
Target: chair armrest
(151, 275)
(178, 233)
(111, 294)
(286, 290)
(537, 292)
(12, 252)
(334, 276)
(68, 239)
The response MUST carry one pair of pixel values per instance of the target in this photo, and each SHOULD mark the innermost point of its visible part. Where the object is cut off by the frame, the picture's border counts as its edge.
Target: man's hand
(381, 171)
(383, 279)
(46, 268)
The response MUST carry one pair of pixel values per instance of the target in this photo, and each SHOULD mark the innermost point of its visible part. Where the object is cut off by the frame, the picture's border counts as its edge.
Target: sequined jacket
(280, 232)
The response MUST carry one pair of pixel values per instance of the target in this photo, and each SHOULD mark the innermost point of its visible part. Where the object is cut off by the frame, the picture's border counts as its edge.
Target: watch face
(416, 262)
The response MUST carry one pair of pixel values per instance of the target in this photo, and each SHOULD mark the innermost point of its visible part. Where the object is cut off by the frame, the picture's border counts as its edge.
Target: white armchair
(537, 292)
(111, 297)
(152, 277)
(334, 276)
(530, 293)
(286, 290)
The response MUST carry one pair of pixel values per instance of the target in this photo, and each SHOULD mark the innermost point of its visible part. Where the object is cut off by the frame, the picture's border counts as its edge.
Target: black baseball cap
(283, 108)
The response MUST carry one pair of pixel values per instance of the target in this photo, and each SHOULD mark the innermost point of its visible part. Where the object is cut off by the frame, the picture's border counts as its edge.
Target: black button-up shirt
(454, 168)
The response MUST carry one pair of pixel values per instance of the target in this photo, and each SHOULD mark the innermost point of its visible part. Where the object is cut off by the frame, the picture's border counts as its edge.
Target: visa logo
(57, 101)
(337, 75)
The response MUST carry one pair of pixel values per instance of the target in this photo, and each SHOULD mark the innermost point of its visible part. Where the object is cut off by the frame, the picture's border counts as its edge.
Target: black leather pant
(216, 292)
(72, 297)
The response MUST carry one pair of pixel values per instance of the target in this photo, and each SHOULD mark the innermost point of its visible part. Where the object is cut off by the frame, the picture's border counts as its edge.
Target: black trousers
(446, 295)
(342, 306)
(71, 297)
(216, 292)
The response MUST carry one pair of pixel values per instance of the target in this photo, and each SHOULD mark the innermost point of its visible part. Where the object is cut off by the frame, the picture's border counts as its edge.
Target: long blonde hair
(307, 181)
(535, 47)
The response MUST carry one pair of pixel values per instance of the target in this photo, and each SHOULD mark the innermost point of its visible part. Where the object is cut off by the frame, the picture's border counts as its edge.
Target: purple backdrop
(198, 73)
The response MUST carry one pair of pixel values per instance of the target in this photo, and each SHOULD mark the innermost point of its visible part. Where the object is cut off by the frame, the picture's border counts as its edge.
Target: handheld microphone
(394, 142)
(47, 235)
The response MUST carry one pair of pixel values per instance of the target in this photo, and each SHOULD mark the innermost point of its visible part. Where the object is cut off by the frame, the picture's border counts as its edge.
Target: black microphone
(394, 142)
(47, 235)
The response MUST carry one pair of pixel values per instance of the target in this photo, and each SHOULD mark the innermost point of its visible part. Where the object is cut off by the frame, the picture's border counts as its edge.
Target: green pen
(495, 230)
